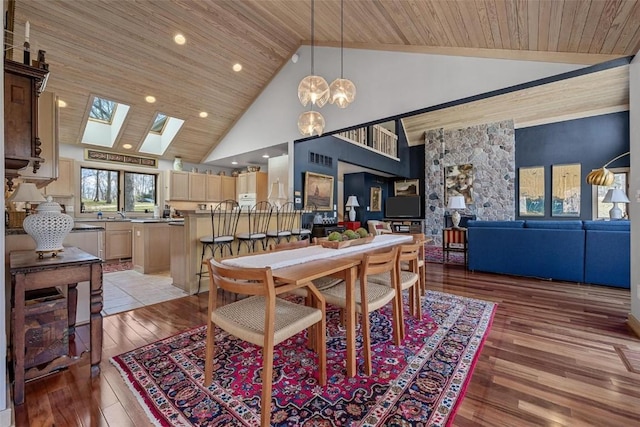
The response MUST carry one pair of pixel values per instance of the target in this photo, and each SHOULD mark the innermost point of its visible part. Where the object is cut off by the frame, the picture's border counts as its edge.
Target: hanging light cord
(616, 158)
(341, 39)
(312, 7)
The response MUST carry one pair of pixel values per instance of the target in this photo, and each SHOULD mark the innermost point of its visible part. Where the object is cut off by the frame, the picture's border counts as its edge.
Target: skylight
(105, 120)
(161, 134)
(102, 110)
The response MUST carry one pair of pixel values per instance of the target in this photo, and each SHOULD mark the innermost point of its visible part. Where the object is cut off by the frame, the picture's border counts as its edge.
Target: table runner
(280, 259)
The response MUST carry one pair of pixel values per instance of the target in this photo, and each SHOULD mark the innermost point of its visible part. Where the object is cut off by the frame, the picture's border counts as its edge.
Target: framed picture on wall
(408, 187)
(459, 182)
(565, 189)
(318, 191)
(376, 199)
(531, 191)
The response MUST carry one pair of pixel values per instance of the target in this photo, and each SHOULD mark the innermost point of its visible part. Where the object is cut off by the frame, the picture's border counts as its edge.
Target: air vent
(320, 159)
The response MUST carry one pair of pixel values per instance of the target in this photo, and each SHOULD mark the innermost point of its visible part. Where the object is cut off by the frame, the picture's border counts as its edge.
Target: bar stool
(305, 223)
(258, 218)
(285, 217)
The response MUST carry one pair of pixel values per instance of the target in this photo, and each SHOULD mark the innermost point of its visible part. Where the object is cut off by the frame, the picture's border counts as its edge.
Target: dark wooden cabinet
(22, 86)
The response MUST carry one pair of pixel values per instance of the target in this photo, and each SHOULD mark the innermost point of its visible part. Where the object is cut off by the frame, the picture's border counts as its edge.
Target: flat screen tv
(403, 207)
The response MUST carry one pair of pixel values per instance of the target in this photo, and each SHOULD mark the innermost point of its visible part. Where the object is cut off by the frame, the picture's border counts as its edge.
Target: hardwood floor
(552, 358)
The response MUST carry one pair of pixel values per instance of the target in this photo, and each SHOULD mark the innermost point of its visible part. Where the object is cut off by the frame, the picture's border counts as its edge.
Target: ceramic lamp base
(352, 215)
(615, 212)
(455, 219)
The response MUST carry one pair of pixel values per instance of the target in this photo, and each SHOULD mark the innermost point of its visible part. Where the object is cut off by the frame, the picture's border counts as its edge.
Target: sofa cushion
(608, 225)
(498, 224)
(555, 225)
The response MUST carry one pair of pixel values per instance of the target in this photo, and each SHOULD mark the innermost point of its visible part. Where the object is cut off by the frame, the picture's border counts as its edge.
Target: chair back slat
(286, 217)
(224, 218)
(246, 281)
(379, 262)
(259, 217)
(289, 245)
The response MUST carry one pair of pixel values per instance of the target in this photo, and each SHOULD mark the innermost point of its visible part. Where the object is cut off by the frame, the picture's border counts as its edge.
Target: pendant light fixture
(343, 91)
(312, 88)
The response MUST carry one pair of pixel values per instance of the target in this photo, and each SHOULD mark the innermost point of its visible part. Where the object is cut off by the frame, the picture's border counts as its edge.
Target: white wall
(634, 183)
(387, 83)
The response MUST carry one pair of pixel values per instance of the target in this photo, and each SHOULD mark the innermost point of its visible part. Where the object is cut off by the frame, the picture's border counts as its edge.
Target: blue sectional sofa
(575, 251)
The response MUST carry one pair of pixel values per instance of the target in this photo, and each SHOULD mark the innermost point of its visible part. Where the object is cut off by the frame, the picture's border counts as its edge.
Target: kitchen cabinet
(228, 188)
(48, 134)
(117, 240)
(178, 185)
(151, 247)
(197, 187)
(213, 188)
(253, 182)
(64, 185)
(22, 86)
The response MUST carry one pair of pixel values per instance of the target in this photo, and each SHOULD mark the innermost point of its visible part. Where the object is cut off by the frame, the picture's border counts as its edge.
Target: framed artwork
(318, 191)
(459, 182)
(531, 191)
(565, 189)
(376, 199)
(408, 187)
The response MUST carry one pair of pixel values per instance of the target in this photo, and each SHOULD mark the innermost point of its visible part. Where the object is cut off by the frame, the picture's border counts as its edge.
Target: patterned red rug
(434, 253)
(110, 267)
(419, 383)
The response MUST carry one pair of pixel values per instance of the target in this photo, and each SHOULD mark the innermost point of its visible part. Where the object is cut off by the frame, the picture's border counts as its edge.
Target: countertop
(137, 220)
(77, 228)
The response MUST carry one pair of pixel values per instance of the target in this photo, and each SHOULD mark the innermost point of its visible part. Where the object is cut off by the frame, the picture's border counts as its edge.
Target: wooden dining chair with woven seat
(262, 319)
(369, 297)
(405, 279)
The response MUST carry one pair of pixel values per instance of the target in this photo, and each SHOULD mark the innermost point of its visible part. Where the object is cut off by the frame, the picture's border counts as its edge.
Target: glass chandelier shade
(310, 123)
(314, 89)
(343, 92)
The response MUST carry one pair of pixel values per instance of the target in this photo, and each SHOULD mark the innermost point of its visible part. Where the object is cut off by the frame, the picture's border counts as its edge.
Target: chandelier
(312, 88)
(343, 91)
(310, 123)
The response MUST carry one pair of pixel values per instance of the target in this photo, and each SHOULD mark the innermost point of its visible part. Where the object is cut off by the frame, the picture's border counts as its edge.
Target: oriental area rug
(420, 383)
(434, 253)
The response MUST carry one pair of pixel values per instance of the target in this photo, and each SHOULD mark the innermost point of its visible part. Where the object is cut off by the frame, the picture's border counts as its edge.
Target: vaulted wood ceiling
(124, 50)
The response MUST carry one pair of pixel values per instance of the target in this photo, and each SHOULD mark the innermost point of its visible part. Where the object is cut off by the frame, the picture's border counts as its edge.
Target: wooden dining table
(294, 268)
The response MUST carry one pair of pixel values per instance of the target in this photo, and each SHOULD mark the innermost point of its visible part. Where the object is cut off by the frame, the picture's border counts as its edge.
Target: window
(621, 180)
(158, 123)
(108, 190)
(102, 110)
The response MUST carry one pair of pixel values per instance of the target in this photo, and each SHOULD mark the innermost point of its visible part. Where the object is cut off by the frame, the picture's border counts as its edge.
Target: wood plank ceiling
(124, 50)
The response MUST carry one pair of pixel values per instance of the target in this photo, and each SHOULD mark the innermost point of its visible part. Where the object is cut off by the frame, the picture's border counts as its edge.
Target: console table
(28, 272)
(400, 225)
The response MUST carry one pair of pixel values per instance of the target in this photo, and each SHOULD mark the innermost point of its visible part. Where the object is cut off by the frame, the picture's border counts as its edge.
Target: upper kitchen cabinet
(254, 183)
(213, 188)
(228, 188)
(178, 185)
(22, 145)
(197, 187)
(48, 134)
(63, 186)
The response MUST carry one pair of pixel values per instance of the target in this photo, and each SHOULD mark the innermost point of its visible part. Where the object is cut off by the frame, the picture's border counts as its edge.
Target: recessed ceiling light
(127, 146)
(61, 103)
(237, 67)
(265, 156)
(234, 163)
(150, 99)
(204, 114)
(179, 39)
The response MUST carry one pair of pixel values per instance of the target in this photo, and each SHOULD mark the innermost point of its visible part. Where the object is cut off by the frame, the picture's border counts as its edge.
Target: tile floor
(126, 290)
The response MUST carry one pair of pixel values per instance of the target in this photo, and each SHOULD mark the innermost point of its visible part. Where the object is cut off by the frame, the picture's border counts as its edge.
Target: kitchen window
(109, 190)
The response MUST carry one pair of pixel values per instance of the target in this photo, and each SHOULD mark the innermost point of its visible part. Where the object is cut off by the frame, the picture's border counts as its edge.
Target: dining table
(295, 268)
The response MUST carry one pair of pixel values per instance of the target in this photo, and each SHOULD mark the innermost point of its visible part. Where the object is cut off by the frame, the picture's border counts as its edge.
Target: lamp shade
(276, 194)
(26, 192)
(456, 202)
(615, 195)
(352, 201)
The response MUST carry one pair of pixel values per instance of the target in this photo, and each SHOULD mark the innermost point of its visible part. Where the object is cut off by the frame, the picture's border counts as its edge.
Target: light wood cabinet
(48, 134)
(253, 182)
(228, 187)
(178, 185)
(213, 187)
(197, 187)
(151, 247)
(64, 185)
(117, 240)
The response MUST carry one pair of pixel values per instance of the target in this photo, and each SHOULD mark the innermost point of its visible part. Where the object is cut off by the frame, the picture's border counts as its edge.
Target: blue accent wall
(590, 141)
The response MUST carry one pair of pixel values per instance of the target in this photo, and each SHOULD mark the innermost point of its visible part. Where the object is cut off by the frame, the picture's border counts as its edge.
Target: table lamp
(352, 203)
(615, 196)
(276, 195)
(456, 202)
(26, 192)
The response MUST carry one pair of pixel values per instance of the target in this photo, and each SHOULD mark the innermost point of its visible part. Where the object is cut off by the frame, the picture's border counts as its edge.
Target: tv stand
(406, 225)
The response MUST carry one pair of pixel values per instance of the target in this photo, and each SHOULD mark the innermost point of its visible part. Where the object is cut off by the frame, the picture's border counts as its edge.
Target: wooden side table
(454, 240)
(28, 272)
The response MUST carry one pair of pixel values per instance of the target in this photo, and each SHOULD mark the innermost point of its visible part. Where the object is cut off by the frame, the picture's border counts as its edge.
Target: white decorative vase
(177, 164)
(48, 227)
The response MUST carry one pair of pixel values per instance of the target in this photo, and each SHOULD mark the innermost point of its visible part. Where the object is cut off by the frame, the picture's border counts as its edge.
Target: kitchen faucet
(122, 214)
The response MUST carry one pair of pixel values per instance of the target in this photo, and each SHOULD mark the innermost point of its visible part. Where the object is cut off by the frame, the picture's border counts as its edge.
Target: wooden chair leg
(267, 378)
(366, 342)
(210, 351)
(397, 326)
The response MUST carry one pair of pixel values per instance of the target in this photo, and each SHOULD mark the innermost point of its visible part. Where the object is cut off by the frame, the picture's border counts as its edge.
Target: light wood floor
(552, 358)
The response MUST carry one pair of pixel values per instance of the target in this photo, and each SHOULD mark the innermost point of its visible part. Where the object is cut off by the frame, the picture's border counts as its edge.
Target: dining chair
(405, 279)
(285, 217)
(224, 222)
(258, 221)
(262, 319)
(370, 296)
